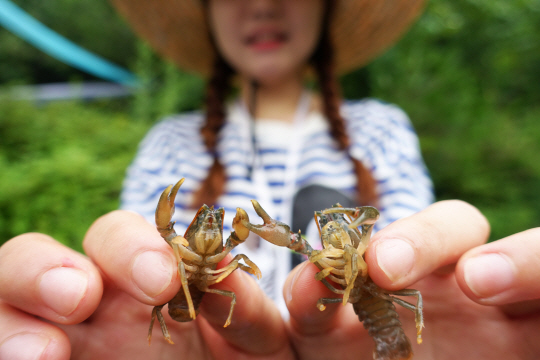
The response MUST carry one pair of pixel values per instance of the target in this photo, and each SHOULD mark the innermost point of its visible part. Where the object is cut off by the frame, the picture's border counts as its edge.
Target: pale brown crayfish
(342, 261)
(198, 252)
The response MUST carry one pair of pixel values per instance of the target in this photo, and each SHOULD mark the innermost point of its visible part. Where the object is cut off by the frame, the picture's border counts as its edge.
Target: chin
(271, 75)
(269, 78)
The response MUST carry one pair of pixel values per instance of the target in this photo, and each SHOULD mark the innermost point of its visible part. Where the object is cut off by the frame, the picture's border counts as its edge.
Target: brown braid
(322, 61)
(219, 86)
(216, 92)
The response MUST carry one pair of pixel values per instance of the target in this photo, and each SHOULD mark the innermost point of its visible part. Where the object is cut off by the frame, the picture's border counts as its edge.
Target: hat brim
(360, 29)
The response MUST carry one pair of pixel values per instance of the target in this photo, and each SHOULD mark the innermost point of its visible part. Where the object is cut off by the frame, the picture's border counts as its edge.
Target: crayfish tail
(399, 348)
(380, 318)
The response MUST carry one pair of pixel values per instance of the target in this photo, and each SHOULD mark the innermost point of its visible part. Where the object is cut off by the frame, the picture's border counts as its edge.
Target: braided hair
(218, 88)
(323, 62)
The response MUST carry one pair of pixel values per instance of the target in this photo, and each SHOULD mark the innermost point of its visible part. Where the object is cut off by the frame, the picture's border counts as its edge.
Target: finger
(24, 337)
(133, 256)
(502, 272)
(337, 327)
(45, 278)
(412, 248)
(301, 292)
(257, 326)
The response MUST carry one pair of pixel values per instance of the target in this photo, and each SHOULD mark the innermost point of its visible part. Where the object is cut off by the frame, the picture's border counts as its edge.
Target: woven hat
(360, 29)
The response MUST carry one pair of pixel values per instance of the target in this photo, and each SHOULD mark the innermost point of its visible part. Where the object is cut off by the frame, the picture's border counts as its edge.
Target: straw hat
(360, 29)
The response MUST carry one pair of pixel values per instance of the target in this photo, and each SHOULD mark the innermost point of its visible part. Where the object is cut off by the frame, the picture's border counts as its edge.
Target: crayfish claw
(271, 230)
(261, 212)
(239, 224)
(276, 232)
(367, 215)
(165, 208)
(364, 215)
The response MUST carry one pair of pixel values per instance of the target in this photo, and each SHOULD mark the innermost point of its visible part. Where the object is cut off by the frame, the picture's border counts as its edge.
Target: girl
(292, 148)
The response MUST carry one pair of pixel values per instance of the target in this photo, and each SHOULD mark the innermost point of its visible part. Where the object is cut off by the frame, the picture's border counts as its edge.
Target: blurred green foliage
(467, 74)
(167, 90)
(62, 166)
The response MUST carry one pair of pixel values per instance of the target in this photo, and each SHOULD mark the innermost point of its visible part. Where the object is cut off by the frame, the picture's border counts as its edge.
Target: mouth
(266, 40)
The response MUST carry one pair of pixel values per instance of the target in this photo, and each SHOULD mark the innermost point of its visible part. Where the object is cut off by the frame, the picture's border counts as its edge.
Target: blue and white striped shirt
(381, 135)
(382, 138)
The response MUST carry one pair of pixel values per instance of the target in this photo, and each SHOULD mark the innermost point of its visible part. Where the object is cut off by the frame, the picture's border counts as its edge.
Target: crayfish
(198, 252)
(342, 261)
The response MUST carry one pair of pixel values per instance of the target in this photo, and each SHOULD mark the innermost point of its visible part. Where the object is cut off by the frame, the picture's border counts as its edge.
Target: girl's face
(266, 40)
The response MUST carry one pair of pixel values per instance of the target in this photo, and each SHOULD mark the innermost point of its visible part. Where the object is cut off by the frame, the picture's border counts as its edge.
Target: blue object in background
(23, 25)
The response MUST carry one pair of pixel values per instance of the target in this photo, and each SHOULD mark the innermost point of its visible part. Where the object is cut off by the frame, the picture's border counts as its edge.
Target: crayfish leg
(180, 250)
(330, 252)
(156, 311)
(418, 309)
(350, 286)
(322, 301)
(230, 267)
(323, 273)
(332, 288)
(185, 287)
(252, 268)
(233, 302)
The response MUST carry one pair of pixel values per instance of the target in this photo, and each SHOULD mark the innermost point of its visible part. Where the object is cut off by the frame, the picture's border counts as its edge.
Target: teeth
(266, 37)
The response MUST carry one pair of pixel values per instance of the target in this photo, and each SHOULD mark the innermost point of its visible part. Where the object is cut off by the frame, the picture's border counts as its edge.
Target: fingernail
(489, 275)
(63, 288)
(292, 283)
(24, 347)
(152, 272)
(395, 257)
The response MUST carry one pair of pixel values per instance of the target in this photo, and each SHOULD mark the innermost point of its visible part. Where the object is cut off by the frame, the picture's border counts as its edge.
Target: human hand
(475, 307)
(58, 304)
